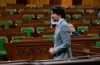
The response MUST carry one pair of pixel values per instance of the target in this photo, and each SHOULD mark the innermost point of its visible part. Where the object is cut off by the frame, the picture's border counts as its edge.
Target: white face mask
(53, 22)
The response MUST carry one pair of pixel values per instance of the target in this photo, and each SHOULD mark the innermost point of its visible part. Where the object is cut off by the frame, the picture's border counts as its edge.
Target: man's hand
(52, 51)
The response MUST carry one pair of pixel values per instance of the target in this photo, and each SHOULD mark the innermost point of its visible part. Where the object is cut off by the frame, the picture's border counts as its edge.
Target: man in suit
(62, 39)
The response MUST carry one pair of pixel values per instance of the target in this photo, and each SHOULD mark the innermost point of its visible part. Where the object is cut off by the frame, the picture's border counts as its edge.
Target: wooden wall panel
(38, 2)
(55, 2)
(7, 1)
(67, 2)
(14, 2)
(37, 50)
(22, 2)
(34, 2)
(91, 2)
(96, 2)
(3, 1)
(10, 1)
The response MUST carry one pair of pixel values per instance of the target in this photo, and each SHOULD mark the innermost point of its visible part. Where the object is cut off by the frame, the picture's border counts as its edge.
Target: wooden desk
(37, 49)
(29, 50)
(83, 45)
(85, 41)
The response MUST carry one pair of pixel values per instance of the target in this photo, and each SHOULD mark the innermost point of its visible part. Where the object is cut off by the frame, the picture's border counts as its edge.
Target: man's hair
(59, 10)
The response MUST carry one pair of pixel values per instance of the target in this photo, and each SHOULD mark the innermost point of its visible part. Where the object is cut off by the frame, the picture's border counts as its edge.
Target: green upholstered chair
(3, 53)
(40, 29)
(18, 22)
(39, 6)
(6, 24)
(47, 22)
(47, 10)
(73, 6)
(86, 21)
(76, 16)
(16, 38)
(82, 29)
(68, 17)
(95, 21)
(31, 6)
(21, 10)
(90, 10)
(81, 10)
(28, 31)
(39, 16)
(97, 44)
(93, 35)
(48, 37)
(11, 11)
(30, 17)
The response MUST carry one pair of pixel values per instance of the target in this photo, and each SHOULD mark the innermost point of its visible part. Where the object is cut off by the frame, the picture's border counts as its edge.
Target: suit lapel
(57, 28)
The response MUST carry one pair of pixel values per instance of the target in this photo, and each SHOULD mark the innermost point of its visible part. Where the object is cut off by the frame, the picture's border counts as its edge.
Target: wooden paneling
(21, 1)
(91, 2)
(77, 2)
(30, 50)
(55, 2)
(38, 2)
(38, 48)
(3, 2)
(67, 2)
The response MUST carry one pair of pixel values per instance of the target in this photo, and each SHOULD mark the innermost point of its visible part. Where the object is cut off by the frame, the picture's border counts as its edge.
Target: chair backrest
(47, 10)
(68, 16)
(97, 44)
(85, 21)
(31, 6)
(76, 16)
(40, 29)
(2, 40)
(11, 11)
(39, 16)
(48, 37)
(95, 21)
(18, 22)
(94, 35)
(47, 22)
(21, 10)
(6, 24)
(82, 28)
(90, 10)
(17, 38)
(81, 10)
(28, 30)
(29, 16)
